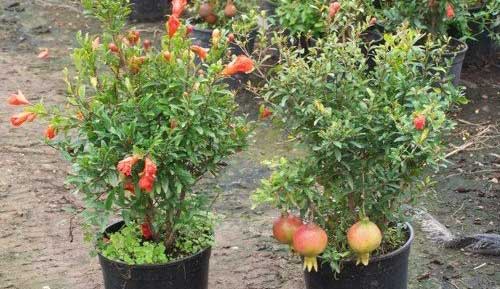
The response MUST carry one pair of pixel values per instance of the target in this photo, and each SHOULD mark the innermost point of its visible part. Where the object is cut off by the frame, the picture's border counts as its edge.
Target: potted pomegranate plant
(140, 127)
(367, 137)
(435, 17)
(307, 21)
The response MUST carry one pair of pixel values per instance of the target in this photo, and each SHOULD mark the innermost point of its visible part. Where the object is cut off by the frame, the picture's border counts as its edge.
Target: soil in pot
(149, 10)
(457, 52)
(187, 273)
(389, 271)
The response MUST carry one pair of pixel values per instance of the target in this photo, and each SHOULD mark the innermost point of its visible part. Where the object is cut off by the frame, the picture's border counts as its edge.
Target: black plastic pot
(482, 49)
(389, 271)
(457, 58)
(371, 37)
(269, 7)
(149, 10)
(187, 273)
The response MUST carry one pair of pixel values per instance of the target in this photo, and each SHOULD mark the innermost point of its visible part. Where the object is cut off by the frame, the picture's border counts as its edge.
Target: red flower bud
(167, 55)
(113, 48)
(50, 132)
(125, 165)
(18, 99)
(173, 24)
(146, 44)
(200, 51)
(264, 112)
(20, 118)
(419, 122)
(146, 231)
(450, 12)
(230, 38)
(333, 10)
(241, 64)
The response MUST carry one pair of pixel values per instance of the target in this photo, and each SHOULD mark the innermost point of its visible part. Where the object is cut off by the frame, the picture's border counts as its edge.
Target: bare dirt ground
(35, 245)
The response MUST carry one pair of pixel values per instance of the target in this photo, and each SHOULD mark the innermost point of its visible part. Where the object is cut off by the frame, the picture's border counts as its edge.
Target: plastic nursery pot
(457, 54)
(371, 37)
(187, 273)
(482, 49)
(388, 271)
(149, 10)
(269, 7)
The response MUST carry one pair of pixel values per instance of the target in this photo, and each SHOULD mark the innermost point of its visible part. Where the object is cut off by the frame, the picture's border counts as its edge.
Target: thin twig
(469, 143)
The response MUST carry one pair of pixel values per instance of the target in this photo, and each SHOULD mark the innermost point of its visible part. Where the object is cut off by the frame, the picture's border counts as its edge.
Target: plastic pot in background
(269, 6)
(203, 37)
(187, 273)
(371, 37)
(149, 10)
(388, 271)
(482, 49)
(458, 48)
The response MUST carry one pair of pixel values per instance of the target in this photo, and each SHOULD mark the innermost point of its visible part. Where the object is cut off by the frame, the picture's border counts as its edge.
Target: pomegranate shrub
(142, 124)
(368, 136)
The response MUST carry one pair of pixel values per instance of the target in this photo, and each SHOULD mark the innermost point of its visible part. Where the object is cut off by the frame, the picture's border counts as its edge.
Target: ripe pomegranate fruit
(310, 241)
(230, 9)
(205, 10)
(211, 19)
(419, 122)
(285, 227)
(364, 237)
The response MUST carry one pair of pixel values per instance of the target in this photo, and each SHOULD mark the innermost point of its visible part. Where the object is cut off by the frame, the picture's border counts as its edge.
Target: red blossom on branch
(178, 7)
(18, 119)
(241, 64)
(125, 165)
(173, 24)
(18, 99)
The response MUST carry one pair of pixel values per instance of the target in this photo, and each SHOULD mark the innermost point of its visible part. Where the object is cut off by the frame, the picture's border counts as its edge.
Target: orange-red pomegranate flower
(18, 119)
(200, 51)
(18, 99)
(178, 7)
(450, 12)
(148, 175)
(125, 165)
(50, 132)
(241, 64)
(173, 24)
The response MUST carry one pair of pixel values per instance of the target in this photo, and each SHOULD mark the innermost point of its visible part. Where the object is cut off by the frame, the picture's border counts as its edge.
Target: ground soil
(37, 250)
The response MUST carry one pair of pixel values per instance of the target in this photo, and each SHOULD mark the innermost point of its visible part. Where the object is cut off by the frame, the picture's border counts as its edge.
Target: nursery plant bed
(186, 273)
(389, 271)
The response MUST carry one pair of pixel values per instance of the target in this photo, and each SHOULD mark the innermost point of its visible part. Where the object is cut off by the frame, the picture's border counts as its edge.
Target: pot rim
(392, 253)
(153, 266)
(462, 51)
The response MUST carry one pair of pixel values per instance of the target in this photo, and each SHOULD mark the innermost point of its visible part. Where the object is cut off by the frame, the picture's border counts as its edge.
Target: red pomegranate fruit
(205, 10)
(310, 241)
(285, 227)
(211, 18)
(364, 237)
(230, 9)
